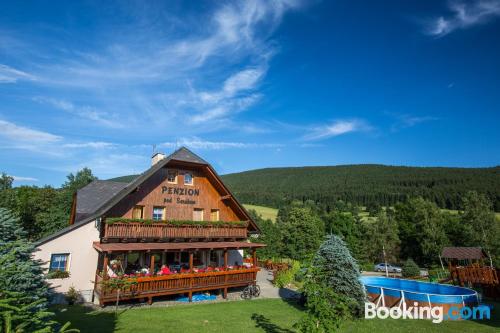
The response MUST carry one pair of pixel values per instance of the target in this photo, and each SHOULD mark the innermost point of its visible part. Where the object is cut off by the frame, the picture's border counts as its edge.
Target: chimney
(157, 157)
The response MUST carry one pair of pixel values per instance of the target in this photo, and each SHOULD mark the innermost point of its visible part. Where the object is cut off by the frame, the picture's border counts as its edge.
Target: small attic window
(172, 176)
(188, 179)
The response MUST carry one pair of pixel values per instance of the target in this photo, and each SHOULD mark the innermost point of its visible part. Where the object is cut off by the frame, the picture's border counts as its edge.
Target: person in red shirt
(165, 270)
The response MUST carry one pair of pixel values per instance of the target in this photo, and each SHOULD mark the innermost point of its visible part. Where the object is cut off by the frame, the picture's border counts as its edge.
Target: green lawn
(271, 315)
(265, 212)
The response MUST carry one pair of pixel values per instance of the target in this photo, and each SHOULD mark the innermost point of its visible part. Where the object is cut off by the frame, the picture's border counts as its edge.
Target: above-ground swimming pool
(391, 292)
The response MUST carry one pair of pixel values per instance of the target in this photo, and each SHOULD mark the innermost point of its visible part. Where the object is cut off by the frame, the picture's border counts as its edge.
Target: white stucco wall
(82, 259)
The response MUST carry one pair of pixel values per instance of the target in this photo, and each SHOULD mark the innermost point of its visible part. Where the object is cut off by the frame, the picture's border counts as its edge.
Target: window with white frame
(198, 214)
(188, 179)
(158, 213)
(172, 176)
(214, 215)
(59, 262)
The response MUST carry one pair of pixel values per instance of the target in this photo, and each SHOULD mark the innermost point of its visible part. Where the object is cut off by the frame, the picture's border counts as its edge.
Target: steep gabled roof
(91, 197)
(181, 155)
(186, 155)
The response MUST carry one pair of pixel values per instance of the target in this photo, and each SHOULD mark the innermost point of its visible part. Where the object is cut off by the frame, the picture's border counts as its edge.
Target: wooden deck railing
(163, 231)
(474, 275)
(149, 287)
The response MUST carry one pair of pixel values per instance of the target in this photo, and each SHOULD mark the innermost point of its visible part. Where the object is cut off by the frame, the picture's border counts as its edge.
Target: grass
(270, 315)
(265, 212)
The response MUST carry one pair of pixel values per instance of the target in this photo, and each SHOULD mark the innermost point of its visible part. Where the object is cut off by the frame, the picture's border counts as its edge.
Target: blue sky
(247, 84)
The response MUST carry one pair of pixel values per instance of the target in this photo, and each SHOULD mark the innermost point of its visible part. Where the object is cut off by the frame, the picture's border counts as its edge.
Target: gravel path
(268, 290)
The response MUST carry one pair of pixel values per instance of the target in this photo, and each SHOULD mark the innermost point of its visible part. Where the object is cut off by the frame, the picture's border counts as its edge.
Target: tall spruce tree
(23, 289)
(334, 264)
(332, 288)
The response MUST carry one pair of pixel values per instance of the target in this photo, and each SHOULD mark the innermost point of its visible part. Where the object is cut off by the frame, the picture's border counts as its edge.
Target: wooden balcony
(120, 230)
(149, 287)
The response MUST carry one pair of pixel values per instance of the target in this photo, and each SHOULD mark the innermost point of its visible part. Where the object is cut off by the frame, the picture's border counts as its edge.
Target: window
(59, 262)
(214, 258)
(158, 213)
(188, 179)
(198, 214)
(138, 212)
(214, 215)
(172, 176)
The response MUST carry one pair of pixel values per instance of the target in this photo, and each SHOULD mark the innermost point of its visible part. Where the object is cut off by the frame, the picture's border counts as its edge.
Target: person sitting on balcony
(164, 270)
(111, 270)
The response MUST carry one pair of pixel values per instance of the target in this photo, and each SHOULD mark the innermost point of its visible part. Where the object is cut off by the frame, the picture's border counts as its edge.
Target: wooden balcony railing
(474, 275)
(149, 287)
(164, 231)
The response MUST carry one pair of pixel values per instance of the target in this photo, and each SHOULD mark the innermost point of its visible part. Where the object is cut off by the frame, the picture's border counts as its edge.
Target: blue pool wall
(419, 291)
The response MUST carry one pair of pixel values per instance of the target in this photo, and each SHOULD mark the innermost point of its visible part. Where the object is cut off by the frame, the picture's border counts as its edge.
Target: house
(174, 229)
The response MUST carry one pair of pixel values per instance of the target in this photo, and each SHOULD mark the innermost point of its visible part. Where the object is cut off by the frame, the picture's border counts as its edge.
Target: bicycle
(252, 290)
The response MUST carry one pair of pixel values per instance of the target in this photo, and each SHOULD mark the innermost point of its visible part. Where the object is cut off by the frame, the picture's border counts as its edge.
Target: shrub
(410, 268)
(366, 266)
(325, 308)
(72, 296)
(285, 277)
(58, 275)
(236, 224)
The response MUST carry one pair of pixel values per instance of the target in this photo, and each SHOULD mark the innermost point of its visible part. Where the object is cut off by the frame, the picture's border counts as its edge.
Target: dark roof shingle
(94, 195)
(462, 253)
(186, 155)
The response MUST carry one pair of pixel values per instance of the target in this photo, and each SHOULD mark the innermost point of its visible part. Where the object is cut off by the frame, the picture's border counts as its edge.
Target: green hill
(363, 184)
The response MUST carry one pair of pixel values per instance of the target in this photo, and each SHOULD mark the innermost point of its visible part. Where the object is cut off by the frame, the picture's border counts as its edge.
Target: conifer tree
(332, 288)
(23, 289)
(334, 264)
(19, 273)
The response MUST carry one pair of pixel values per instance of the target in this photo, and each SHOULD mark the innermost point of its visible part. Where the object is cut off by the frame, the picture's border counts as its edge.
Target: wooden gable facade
(180, 201)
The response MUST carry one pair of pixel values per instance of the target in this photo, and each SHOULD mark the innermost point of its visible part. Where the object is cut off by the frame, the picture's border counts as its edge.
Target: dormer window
(172, 176)
(188, 179)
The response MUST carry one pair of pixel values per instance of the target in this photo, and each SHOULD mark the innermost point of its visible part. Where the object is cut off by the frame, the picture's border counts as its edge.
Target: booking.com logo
(436, 313)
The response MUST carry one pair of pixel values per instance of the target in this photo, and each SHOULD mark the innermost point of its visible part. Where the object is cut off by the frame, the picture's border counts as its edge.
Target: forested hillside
(364, 184)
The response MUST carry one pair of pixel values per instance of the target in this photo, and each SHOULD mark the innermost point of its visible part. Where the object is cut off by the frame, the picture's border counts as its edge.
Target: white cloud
(24, 179)
(11, 75)
(236, 95)
(464, 15)
(20, 134)
(86, 112)
(336, 128)
(406, 120)
(145, 71)
(197, 143)
(92, 144)
(107, 165)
